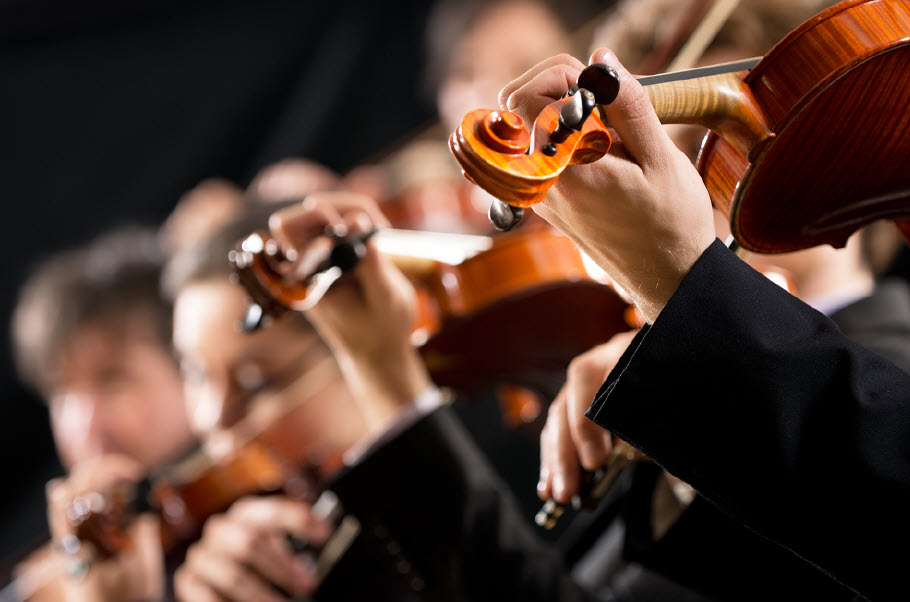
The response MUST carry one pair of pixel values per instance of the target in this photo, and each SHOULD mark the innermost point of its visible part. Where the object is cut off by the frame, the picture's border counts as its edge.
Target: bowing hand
(244, 554)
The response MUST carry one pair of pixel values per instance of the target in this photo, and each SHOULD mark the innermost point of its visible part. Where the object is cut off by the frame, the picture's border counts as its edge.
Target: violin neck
(417, 253)
(713, 97)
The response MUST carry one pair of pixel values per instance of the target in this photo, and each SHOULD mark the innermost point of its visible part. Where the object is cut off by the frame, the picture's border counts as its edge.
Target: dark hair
(208, 258)
(107, 282)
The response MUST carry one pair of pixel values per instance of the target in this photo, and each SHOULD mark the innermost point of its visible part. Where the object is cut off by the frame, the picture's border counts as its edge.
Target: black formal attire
(772, 414)
(436, 514)
(707, 550)
(439, 525)
(437, 517)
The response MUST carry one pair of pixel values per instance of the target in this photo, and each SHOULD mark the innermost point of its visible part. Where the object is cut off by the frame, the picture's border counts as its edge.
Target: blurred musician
(200, 212)
(91, 334)
(435, 522)
(239, 383)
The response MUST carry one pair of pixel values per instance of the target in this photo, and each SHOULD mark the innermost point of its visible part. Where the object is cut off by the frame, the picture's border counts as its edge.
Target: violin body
(516, 313)
(836, 93)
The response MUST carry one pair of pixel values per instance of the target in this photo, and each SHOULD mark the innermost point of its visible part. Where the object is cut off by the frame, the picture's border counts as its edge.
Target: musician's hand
(569, 441)
(642, 212)
(136, 573)
(367, 323)
(245, 553)
(291, 179)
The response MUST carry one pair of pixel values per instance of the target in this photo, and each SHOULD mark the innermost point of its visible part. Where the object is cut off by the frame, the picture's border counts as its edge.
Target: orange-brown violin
(183, 496)
(515, 309)
(809, 144)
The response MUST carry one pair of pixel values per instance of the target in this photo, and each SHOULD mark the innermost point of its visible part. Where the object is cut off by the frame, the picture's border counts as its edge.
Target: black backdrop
(110, 110)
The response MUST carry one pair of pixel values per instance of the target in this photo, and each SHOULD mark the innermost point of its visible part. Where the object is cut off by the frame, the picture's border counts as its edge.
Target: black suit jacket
(772, 414)
(435, 514)
(434, 497)
(708, 551)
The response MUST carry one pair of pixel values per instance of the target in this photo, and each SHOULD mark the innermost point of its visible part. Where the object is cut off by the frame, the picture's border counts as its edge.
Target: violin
(183, 496)
(509, 309)
(808, 144)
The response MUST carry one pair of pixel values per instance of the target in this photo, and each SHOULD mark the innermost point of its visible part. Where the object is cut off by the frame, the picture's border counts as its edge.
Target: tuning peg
(602, 81)
(571, 91)
(503, 216)
(347, 253)
(253, 319)
(573, 115)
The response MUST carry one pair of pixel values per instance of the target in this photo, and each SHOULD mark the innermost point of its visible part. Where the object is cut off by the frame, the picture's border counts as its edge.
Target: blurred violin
(508, 309)
(270, 459)
(808, 144)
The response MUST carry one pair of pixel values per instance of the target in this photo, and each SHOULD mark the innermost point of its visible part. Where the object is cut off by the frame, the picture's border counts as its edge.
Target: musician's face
(117, 390)
(238, 383)
(506, 41)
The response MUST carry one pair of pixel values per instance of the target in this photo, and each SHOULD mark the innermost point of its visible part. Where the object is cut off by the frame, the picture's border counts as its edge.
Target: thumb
(633, 116)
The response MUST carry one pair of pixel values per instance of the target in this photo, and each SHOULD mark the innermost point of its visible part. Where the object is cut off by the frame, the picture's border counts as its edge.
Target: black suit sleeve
(435, 491)
(761, 404)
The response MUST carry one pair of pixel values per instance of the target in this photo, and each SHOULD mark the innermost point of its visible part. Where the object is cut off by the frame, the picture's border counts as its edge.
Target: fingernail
(607, 57)
(559, 485)
(362, 223)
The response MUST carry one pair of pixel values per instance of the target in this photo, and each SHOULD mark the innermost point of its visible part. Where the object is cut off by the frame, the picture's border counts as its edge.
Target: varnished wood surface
(837, 91)
(519, 311)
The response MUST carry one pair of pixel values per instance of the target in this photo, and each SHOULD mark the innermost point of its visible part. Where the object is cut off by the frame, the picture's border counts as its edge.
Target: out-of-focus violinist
(91, 333)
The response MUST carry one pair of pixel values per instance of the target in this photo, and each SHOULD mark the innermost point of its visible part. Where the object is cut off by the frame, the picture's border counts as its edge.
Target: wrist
(383, 386)
(653, 289)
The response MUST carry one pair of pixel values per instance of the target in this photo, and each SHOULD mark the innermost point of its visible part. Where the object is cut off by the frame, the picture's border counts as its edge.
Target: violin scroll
(497, 153)
(265, 272)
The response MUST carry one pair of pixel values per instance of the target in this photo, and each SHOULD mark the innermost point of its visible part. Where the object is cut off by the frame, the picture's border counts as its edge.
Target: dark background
(110, 110)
